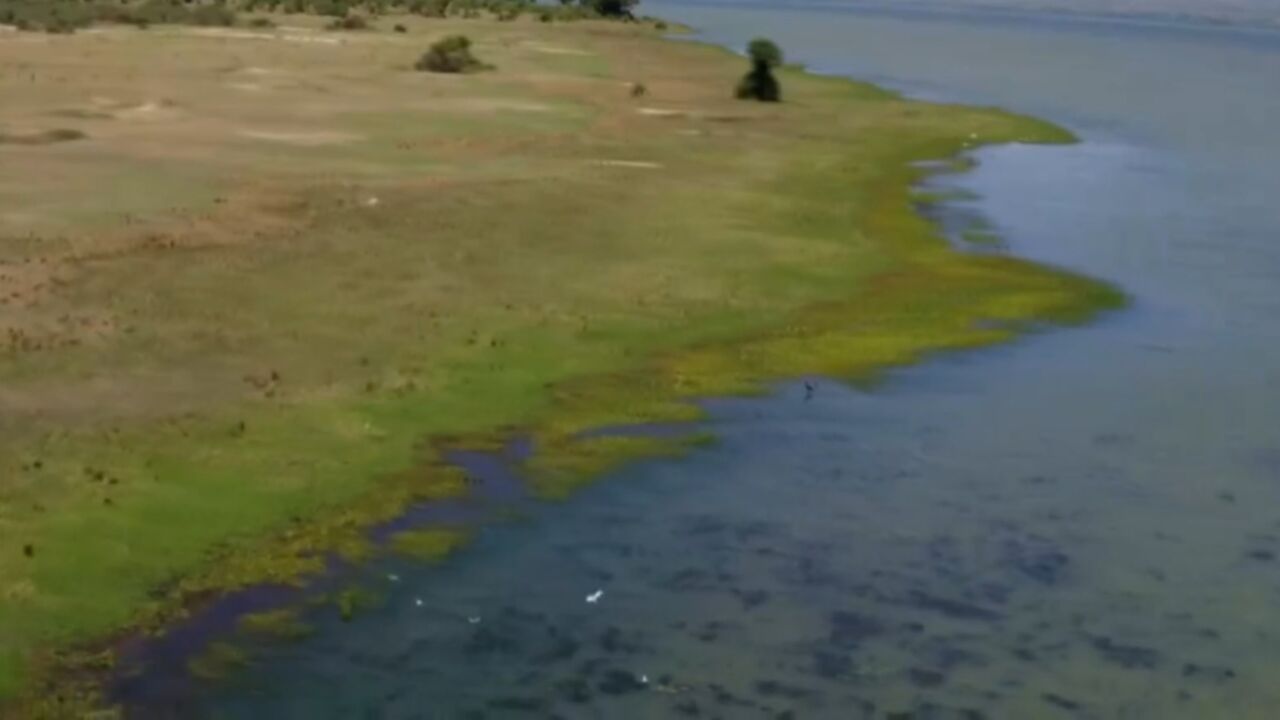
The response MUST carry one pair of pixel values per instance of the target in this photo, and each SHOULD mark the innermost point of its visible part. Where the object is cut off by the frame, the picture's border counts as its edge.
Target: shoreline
(826, 338)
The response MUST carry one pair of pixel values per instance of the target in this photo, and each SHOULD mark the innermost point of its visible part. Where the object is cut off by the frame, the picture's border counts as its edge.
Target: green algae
(352, 600)
(283, 624)
(565, 464)
(429, 545)
(218, 660)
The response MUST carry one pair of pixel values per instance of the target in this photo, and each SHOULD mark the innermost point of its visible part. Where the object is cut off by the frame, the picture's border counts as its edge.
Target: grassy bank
(273, 272)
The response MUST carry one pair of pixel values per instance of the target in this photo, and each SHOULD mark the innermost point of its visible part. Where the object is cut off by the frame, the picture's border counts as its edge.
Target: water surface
(1084, 524)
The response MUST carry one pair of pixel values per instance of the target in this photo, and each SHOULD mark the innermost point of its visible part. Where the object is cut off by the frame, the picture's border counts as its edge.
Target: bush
(159, 12)
(429, 8)
(62, 25)
(450, 55)
(261, 23)
(332, 8)
(350, 22)
(759, 83)
(51, 17)
(60, 16)
(212, 16)
(400, 28)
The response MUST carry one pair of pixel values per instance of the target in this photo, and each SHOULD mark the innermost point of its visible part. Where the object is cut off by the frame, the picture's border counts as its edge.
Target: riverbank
(297, 269)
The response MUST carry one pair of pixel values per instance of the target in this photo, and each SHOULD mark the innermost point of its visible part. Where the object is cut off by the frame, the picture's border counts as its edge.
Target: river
(1081, 524)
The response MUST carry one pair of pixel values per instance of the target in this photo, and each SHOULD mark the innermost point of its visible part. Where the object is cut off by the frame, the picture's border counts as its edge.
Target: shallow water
(1083, 524)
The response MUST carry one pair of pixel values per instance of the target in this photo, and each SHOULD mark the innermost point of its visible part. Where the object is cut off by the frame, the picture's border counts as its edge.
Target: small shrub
(576, 12)
(47, 137)
(159, 12)
(119, 14)
(450, 55)
(430, 8)
(350, 22)
(660, 26)
(51, 17)
(63, 135)
(759, 83)
(61, 25)
(332, 8)
(261, 23)
(212, 16)
(400, 28)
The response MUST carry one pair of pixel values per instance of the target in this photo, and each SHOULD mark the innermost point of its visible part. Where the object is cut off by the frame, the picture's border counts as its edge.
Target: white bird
(371, 202)
(393, 577)
(418, 602)
(475, 620)
(594, 597)
(644, 679)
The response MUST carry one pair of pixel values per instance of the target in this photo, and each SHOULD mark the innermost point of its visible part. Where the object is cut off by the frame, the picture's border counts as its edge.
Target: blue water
(1083, 524)
(1256, 13)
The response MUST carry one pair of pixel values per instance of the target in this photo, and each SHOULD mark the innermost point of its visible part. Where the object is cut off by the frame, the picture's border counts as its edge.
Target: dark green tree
(611, 8)
(759, 82)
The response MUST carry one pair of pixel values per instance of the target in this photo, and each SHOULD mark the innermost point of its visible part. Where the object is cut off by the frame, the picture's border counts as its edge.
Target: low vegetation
(450, 55)
(351, 21)
(42, 137)
(66, 16)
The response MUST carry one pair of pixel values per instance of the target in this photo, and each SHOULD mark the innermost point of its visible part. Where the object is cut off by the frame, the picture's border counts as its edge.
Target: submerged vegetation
(271, 290)
(431, 545)
(283, 623)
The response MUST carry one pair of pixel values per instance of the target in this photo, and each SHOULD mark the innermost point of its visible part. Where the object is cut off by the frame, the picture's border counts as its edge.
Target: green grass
(262, 397)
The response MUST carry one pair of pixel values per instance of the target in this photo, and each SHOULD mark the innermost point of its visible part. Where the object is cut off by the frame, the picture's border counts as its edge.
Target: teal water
(1083, 524)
